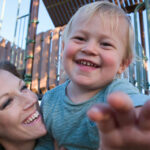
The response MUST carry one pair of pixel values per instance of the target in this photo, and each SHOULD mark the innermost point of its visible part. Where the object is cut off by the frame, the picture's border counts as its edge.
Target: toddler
(98, 46)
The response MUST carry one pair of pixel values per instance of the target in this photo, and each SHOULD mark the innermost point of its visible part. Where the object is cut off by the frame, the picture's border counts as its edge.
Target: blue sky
(10, 13)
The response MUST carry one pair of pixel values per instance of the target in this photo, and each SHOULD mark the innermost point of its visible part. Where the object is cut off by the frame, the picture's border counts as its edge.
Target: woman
(20, 121)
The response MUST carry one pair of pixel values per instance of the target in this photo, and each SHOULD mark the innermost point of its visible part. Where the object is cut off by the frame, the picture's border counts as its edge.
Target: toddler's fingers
(103, 115)
(122, 105)
(144, 116)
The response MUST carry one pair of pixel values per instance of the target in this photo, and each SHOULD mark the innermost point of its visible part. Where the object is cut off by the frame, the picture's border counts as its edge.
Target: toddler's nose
(90, 48)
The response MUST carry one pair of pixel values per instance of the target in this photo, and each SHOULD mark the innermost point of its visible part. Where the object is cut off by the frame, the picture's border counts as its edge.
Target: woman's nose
(28, 100)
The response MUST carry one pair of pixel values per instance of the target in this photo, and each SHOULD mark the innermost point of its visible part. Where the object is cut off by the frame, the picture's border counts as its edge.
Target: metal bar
(15, 32)
(40, 63)
(23, 32)
(2, 14)
(142, 30)
(25, 53)
(59, 59)
(132, 73)
(137, 47)
(145, 73)
(23, 16)
(19, 29)
(49, 59)
(147, 6)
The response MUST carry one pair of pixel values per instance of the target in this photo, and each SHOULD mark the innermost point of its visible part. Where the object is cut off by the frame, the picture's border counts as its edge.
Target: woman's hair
(6, 65)
(1, 147)
(104, 10)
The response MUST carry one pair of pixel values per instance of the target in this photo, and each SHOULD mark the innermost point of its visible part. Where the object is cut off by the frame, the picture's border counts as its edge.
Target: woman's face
(19, 117)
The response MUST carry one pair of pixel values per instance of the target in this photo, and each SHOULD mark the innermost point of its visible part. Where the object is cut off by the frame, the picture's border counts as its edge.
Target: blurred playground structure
(40, 59)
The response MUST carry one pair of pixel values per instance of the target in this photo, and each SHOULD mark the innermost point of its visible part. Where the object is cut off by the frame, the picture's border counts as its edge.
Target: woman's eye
(24, 88)
(6, 103)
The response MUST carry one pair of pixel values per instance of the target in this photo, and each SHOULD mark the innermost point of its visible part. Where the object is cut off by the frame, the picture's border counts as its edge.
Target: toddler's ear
(124, 65)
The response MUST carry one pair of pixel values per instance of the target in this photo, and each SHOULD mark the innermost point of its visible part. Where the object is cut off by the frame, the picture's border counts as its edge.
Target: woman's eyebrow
(6, 94)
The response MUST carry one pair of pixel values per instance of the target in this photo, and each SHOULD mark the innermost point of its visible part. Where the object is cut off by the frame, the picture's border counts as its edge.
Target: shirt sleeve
(125, 86)
(139, 99)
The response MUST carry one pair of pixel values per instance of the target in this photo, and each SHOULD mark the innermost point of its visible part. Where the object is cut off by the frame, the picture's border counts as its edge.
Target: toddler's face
(93, 52)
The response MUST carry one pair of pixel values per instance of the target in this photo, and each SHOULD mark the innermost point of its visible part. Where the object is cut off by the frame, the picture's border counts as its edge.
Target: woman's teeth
(32, 118)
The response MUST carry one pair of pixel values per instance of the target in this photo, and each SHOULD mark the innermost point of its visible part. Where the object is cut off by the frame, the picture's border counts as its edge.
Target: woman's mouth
(32, 117)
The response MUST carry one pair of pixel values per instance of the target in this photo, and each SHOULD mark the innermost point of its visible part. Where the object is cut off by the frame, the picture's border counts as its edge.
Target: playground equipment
(43, 51)
(2, 14)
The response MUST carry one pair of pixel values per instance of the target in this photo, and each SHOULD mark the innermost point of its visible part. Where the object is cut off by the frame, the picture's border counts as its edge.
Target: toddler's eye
(106, 44)
(6, 103)
(79, 38)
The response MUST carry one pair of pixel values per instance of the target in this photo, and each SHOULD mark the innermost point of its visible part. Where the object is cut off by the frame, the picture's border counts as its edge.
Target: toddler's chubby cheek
(70, 49)
(111, 59)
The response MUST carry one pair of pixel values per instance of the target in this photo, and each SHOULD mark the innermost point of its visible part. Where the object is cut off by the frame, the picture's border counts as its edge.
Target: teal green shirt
(68, 123)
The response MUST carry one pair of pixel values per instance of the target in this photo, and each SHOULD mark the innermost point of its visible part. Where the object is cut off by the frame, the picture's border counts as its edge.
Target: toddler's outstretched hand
(121, 126)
